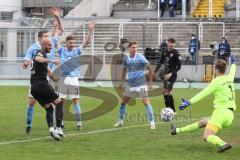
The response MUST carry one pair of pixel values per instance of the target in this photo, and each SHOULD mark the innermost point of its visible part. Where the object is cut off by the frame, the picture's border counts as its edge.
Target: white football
(167, 114)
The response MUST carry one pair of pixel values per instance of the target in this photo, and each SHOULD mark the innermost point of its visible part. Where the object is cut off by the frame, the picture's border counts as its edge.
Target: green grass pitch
(98, 140)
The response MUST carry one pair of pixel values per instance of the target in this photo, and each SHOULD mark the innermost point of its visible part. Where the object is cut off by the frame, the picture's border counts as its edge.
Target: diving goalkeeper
(224, 104)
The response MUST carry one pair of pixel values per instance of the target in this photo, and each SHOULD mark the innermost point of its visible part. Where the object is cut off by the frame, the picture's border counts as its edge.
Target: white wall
(11, 43)
(12, 6)
(88, 7)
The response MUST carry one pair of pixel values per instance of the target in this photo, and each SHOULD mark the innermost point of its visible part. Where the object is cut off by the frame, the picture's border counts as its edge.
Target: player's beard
(47, 50)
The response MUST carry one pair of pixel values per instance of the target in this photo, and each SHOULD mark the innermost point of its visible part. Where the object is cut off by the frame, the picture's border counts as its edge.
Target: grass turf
(128, 143)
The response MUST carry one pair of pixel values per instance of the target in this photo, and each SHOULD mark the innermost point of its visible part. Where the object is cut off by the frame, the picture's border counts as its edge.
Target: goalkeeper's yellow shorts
(221, 118)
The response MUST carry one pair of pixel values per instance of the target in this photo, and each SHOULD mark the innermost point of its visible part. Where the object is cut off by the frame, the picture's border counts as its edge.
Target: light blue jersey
(32, 51)
(136, 66)
(70, 65)
(51, 55)
(36, 46)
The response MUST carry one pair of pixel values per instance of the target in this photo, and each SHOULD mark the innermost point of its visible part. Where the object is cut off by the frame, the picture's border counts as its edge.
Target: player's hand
(55, 61)
(167, 76)
(24, 66)
(185, 103)
(92, 25)
(54, 11)
(232, 58)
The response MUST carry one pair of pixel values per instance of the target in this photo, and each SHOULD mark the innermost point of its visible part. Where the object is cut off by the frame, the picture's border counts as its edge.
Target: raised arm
(58, 27)
(233, 66)
(90, 32)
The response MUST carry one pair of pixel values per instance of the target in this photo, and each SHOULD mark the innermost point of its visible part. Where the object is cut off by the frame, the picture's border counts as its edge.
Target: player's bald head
(46, 44)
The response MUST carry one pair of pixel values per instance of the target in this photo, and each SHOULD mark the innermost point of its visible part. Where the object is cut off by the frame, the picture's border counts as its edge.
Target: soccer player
(171, 60)
(56, 32)
(68, 80)
(42, 91)
(224, 104)
(134, 66)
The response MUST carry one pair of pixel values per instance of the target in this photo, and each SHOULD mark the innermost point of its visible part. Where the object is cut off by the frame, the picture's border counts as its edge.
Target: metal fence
(108, 35)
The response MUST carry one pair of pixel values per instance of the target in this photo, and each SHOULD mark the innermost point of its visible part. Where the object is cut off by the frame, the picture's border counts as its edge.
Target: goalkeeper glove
(184, 104)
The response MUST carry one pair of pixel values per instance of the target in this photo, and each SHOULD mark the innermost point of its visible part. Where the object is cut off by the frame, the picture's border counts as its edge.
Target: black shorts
(169, 83)
(43, 93)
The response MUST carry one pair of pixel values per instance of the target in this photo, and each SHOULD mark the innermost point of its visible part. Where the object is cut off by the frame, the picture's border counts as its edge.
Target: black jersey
(39, 71)
(171, 60)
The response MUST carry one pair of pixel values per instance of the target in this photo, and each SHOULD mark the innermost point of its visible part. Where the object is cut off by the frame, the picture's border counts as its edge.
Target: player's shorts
(221, 117)
(169, 83)
(43, 93)
(68, 86)
(51, 83)
(141, 91)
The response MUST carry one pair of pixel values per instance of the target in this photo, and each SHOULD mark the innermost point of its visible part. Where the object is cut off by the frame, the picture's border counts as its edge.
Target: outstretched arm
(90, 32)
(58, 25)
(40, 59)
(204, 93)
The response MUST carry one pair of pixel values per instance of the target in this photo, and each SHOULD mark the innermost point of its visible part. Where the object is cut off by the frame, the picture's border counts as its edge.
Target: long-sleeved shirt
(172, 61)
(223, 89)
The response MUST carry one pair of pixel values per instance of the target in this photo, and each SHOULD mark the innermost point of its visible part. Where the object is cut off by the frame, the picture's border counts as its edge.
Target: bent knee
(203, 123)
(75, 101)
(32, 101)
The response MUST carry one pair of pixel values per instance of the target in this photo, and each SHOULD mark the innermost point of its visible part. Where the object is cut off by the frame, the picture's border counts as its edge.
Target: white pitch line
(82, 133)
(74, 134)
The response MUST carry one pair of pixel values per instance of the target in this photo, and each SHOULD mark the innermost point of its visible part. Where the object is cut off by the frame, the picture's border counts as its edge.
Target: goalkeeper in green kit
(224, 104)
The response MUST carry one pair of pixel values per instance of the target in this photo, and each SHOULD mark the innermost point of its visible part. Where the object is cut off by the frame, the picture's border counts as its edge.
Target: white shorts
(68, 86)
(141, 91)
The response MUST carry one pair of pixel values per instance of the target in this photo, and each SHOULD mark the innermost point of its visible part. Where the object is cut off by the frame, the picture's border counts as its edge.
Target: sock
(30, 112)
(122, 111)
(77, 110)
(59, 114)
(49, 116)
(167, 100)
(171, 102)
(150, 113)
(215, 140)
(189, 128)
